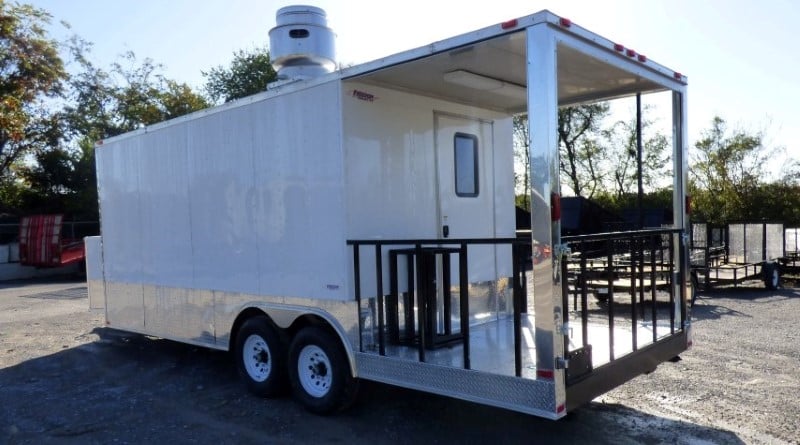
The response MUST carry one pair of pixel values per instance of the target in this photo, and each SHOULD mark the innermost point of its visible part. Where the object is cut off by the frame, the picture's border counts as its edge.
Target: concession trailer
(360, 224)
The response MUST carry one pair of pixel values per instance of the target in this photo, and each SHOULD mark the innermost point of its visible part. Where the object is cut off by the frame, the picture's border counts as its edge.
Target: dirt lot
(66, 379)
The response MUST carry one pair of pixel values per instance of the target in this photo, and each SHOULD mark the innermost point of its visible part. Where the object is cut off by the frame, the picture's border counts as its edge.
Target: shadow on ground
(710, 304)
(135, 389)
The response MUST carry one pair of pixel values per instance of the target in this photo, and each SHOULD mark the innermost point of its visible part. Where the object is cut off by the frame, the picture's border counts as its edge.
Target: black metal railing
(419, 254)
(639, 268)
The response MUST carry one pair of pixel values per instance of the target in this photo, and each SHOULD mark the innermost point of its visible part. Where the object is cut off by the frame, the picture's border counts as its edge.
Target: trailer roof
(590, 67)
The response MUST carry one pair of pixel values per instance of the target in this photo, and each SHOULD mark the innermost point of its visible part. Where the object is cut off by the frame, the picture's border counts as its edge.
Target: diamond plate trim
(535, 397)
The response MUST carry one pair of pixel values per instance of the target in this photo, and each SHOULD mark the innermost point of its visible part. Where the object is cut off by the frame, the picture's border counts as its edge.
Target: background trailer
(360, 224)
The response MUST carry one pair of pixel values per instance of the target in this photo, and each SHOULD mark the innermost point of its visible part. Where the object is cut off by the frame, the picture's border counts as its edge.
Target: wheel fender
(285, 315)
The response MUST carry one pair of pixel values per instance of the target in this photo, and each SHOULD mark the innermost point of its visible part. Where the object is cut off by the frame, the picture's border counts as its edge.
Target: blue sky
(741, 57)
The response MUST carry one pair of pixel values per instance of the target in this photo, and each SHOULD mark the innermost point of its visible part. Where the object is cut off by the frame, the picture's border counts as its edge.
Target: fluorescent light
(484, 83)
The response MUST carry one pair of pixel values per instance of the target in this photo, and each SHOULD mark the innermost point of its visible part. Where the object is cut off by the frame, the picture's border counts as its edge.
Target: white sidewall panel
(166, 239)
(118, 189)
(94, 272)
(223, 226)
(247, 200)
(299, 204)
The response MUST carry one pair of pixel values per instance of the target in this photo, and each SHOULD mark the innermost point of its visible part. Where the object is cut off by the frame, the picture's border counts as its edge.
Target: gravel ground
(66, 379)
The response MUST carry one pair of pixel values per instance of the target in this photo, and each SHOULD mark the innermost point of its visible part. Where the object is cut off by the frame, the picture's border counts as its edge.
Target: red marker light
(642, 58)
(677, 75)
(555, 207)
(630, 53)
(618, 47)
(545, 374)
(566, 23)
(509, 24)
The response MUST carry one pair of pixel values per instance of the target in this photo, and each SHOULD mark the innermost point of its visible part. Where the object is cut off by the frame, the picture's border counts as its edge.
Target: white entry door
(465, 180)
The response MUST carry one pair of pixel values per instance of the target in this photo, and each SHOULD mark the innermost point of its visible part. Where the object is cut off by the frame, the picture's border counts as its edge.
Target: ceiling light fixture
(484, 83)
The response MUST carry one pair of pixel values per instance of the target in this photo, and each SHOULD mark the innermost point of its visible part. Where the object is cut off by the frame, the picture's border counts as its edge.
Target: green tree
(594, 159)
(99, 104)
(726, 173)
(30, 70)
(621, 154)
(580, 154)
(522, 162)
(130, 95)
(248, 73)
(777, 201)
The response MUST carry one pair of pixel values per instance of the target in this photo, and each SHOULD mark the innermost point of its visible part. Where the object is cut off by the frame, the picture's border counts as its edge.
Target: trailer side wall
(204, 216)
(391, 176)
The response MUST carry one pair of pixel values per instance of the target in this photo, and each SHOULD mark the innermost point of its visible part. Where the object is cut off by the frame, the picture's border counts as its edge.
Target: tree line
(56, 103)
(729, 177)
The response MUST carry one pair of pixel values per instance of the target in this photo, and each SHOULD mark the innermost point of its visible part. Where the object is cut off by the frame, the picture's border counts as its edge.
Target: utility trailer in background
(360, 224)
(735, 253)
(790, 264)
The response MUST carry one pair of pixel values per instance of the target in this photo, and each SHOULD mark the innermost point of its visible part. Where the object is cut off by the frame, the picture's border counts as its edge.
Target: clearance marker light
(509, 24)
(642, 58)
(545, 374)
(618, 47)
(566, 23)
(630, 53)
(555, 207)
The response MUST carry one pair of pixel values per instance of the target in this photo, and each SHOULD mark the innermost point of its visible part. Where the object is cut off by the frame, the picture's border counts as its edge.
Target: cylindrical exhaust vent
(301, 44)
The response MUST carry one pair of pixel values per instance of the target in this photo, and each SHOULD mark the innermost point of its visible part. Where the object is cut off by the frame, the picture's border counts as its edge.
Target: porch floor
(492, 344)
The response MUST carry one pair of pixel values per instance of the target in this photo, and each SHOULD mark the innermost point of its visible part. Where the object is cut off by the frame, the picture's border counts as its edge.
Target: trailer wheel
(772, 276)
(319, 372)
(695, 283)
(261, 357)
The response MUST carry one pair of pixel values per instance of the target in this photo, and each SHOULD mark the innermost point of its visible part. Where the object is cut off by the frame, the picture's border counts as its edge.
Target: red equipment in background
(41, 243)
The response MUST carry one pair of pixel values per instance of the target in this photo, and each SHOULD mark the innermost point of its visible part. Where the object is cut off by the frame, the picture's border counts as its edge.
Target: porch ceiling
(581, 78)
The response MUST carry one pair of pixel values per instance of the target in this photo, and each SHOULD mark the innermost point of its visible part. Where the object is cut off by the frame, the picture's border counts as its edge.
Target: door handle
(445, 230)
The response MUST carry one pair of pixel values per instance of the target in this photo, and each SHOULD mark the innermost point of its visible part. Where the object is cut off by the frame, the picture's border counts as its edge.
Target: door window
(466, 164)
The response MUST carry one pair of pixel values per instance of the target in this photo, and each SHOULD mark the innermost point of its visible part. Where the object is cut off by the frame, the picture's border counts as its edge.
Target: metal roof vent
(301, 44)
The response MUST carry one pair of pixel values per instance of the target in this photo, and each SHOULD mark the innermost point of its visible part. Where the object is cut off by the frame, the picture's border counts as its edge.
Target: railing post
(672, 284)
(682, 279)
(611, 273)
(517, 307)
(379, 295)
(420, 302)
(634, 252)
(584, 301)
(463, 295)
(357, 291)
(653, 276)
(392, 317)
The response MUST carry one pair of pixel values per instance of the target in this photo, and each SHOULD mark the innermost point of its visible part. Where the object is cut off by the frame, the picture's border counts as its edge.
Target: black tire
(772, 276)
(695, 282)
(261, 357)
(319, 371)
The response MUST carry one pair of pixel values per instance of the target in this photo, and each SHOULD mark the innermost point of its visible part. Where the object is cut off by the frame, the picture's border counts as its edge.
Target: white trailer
(360, 224)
